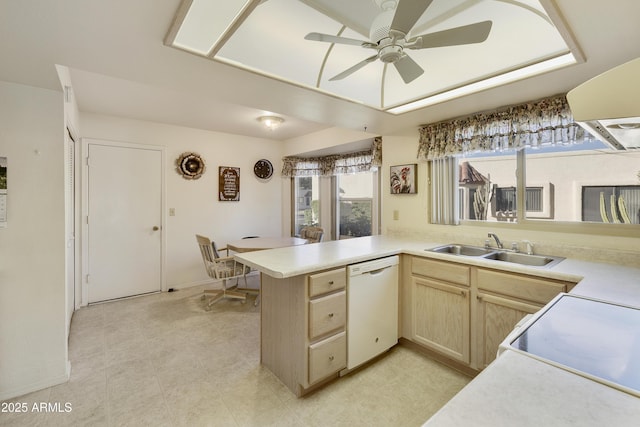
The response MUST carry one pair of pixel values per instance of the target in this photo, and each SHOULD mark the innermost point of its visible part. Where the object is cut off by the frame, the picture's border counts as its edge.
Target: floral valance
(336, 164)
(545, 122)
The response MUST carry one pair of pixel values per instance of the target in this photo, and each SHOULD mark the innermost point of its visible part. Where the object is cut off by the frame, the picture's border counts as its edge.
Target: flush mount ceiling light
(271, 122)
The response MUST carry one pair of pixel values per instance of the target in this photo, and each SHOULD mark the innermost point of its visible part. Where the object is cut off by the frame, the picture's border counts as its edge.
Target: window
(307, 202)
(616, 204)
(574, 183)
(573, 177)
(356, 207)
(488, 181)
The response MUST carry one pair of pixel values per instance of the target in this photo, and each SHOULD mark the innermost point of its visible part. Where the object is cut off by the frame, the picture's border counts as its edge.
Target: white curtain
(444, 191)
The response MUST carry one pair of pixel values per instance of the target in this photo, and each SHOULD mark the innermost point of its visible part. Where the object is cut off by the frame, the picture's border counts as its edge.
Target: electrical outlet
(396, 215)
(172, 211)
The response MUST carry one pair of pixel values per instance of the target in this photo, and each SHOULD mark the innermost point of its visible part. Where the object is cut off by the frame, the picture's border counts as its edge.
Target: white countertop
(598, 280)
(514, 389)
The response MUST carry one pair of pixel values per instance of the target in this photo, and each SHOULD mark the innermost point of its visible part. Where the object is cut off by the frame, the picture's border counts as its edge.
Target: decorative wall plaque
(228, 184)
(190, 165)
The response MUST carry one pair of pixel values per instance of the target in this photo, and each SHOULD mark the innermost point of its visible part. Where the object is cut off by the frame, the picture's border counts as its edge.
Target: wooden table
(262, 243)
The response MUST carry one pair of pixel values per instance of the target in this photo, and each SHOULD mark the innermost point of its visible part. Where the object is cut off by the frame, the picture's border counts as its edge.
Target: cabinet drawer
(329, 281)
(327, 357)
(454, 273)
(327, 314)
(525, 287)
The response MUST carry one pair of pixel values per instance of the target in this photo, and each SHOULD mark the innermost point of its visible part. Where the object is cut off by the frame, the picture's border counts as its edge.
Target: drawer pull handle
(330, 358)
(331, 283)
(330, 314)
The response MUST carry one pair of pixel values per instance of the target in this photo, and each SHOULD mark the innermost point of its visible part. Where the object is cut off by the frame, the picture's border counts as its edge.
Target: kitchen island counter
(514, 389)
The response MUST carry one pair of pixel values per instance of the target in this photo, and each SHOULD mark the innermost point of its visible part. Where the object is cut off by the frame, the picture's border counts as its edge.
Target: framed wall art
(403, 179)
(228, 184)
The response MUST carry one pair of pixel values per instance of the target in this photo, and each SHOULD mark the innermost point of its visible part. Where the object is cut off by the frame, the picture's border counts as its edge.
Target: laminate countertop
(515, 389)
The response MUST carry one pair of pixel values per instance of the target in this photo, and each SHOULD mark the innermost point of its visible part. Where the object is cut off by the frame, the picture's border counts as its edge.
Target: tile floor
(162, 360)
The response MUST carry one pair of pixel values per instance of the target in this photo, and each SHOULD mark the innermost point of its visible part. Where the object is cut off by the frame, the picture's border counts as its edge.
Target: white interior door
(124, 221)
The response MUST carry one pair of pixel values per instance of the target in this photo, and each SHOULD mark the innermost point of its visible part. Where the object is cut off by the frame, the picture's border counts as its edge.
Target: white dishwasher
(372, 315)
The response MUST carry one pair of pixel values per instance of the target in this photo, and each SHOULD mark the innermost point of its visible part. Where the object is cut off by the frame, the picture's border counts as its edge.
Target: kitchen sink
(496, 254)
(465, 250)
(524, 259)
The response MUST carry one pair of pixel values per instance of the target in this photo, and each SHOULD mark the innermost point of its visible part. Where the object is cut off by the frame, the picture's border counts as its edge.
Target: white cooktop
(593, 338)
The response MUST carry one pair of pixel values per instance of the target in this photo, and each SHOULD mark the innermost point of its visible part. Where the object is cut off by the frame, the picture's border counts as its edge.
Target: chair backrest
(312, 234)
(206, 249)
(217, 267)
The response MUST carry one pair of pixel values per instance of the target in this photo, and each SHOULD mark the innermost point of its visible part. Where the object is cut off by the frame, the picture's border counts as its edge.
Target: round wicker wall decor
(190, 165)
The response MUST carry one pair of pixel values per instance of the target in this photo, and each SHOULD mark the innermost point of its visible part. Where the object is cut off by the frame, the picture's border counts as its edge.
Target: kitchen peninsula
(512, 389)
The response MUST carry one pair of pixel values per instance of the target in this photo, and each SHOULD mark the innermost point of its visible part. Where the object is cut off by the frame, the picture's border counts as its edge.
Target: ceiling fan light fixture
(271, 122)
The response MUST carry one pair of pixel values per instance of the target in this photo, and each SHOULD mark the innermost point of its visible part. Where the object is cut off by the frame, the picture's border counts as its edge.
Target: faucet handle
(529, 247)
(514, 247)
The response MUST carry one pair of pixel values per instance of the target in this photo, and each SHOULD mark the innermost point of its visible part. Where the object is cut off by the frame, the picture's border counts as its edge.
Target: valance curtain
(544, 122)
(337, 164)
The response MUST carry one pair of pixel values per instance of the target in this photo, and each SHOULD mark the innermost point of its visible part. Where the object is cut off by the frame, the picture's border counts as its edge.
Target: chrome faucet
(495, 237)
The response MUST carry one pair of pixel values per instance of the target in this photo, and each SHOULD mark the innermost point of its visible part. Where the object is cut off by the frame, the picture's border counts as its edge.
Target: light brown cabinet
(440, 307)
(303, 327)
(464, 312)
(503, 299)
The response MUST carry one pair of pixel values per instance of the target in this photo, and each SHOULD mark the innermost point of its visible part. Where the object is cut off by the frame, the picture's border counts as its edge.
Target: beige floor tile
(163, 360)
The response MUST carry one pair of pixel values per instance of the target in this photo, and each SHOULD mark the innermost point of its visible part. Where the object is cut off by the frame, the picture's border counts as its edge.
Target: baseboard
(37, 386)
(215, 284)
(453, 364)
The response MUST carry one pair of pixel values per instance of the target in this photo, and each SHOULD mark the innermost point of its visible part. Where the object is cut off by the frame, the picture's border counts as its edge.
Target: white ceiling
(120, 66)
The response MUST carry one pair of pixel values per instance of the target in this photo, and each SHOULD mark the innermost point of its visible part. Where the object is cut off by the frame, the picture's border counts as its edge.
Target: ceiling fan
(388, 35)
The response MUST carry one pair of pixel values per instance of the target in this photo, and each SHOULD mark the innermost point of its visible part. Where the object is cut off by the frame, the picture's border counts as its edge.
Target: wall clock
(190, 165)
(263, 169)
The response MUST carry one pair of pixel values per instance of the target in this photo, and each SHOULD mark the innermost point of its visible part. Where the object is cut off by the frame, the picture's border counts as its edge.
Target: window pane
(578, 182)
(306, 202)
(611, 204)
(488, 184)
(355, 207)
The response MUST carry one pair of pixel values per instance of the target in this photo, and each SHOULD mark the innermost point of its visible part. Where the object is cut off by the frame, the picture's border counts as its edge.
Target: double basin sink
(498, 255)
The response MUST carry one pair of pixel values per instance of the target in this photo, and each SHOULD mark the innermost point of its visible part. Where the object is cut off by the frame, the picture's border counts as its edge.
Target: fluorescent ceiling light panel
(502, 79)
(205, 23)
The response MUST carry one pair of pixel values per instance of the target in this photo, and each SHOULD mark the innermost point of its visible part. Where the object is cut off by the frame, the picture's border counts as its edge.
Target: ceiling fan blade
(467, 34)
(408, 69)
(407, 14)
(353, 69)
(319, 37)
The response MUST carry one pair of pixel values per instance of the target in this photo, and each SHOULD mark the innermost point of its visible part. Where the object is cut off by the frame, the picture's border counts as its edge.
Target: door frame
(85, 142)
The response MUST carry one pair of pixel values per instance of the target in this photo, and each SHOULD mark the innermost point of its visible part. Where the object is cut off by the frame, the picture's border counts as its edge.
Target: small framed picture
(403, 179)
(228, 184)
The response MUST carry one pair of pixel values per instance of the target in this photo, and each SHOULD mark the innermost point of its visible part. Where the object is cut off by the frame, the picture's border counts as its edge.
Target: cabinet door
(441, 317)
(497, 316)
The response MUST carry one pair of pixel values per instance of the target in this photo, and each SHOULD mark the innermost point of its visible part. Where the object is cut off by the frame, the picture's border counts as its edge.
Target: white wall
(33, 345)
(574, 240)
(197, 209)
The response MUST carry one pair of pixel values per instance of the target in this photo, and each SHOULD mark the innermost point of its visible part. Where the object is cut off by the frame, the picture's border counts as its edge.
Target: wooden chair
(312, 234)
(221, 268)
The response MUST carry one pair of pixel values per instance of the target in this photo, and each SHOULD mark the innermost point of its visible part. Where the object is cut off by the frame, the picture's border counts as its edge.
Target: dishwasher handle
(376, 272)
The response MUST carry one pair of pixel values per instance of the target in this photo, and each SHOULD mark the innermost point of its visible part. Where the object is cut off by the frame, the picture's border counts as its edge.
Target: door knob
(156, 228)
